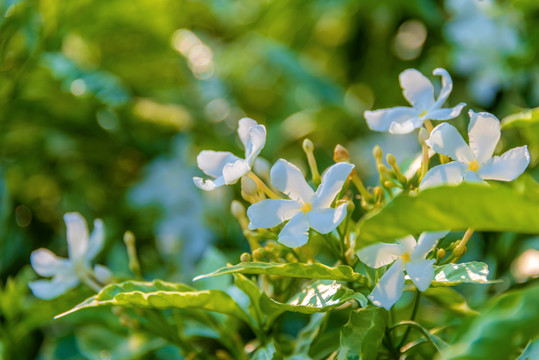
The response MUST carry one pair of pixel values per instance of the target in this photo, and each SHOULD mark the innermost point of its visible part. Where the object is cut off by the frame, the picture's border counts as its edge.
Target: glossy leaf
(254, 293)
(507, 324)
(162, 295)
(452, 207)
(307, 336)
(473, 272)
(449, 299)
(522, 120)
(299, 270)
(362, 336)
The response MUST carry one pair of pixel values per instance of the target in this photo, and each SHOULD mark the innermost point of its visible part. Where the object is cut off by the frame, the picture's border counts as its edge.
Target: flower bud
(391, 160)
(377, 152)
(248, 186)
(459, 251)
(308, 146)
(440, 254)
(378, 192)
(259, 254)
(341, 154)
(245, 257)
(389, 184)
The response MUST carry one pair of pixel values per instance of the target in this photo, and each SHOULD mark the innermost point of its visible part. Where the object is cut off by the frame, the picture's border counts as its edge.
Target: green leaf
(473, 272)
(307, 336)
(159, 294)
(449, 299)
(320, 296)
(362, 336)
(522, 119)
(254, 293)
(531, 351)
(505, 326)
(452, 207)
(299, 270)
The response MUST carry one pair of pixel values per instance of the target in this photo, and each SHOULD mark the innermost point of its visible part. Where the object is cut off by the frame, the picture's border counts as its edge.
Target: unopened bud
(377, 152)
(248, 186)
(459, 251)
(423, 135)
(290, 258)
(389, 184)
(245, 257)
(129, 238)
(340, 154)
(258, 254)
(237, 209)
(378, 192)
(308, 146)
(350, 207)
(440, 254)
(382, 169)
(391, 160)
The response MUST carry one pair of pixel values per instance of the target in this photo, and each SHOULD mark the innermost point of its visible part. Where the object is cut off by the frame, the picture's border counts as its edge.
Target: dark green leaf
(449, 299)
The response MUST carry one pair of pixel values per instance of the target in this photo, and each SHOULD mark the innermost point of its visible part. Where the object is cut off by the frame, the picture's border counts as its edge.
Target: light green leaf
(158, 294)
(522, 119)
(299, 270)
(254, 293)
(320, 296)
(362, 336)
(531, 351)
(449, 299)
(498, 332)
(473, 272)
(452, 207)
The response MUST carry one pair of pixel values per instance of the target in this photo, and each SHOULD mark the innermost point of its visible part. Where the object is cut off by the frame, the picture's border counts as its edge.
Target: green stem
(412, 318)
(424, 331)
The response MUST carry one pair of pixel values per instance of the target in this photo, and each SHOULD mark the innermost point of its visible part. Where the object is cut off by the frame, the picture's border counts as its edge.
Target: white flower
(226, 167)
(409, 256)
(474, 163)
(306, 207)
(419, 92)
(67, 273)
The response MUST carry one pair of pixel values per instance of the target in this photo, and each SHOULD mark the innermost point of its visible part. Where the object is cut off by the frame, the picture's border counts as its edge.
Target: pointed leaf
(473, 272)
(299, 270)
(449, 299)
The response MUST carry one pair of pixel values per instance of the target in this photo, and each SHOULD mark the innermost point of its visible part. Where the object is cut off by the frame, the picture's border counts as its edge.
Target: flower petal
(257, 140)
(209, 185)
(472, 177)
(389, 287)
(421, 272)
(451, 174)
(399, 118)
(77, 235)
(379, 254)
(484, 133)
(417, 89)
(243, 129)
(407, 244)
(232, 172)
(296, 232)
(447, 86)
(332, 183)
(212, 162)
(50, 289)
(445, 139)
(97, 239)
(46, 263)
(326, 220)
(271, 212)
(507, 167)
(288, 179)
(445, 114)
(427, 242)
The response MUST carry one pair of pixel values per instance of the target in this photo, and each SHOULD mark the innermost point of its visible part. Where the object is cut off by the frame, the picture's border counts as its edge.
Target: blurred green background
(105, 104)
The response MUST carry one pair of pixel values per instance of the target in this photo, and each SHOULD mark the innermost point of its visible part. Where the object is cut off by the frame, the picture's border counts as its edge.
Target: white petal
(212, 162)
(77, 235)
(407, 244)
(447, 86)
(417, 89)
(232, 172)
(257, 140)
(446, 174)
(389, 287)
(271, 212)
(379, 254)
(288, 179)
(427, 242)
(484, 133)
(384, 119)
(296, 232)
(472, 177)
(421, 272)
(445, 139)
(209, 185)
(243, 129)
(445, 114)
(102, 274)
(97, 240)
(50, 289)
(326, 220)
(507, 167)
(46, 263)
(332, 183)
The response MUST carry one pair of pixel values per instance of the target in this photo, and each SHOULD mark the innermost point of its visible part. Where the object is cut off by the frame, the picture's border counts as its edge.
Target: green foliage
(464, 273)
(362, 336)
(452, 207)
(449, 299)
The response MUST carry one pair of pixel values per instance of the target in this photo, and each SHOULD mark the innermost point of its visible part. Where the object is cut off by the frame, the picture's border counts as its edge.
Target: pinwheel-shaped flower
(67, 273)
(419, 92)
(226, 167)
(408, 255)
(306, 209)
(474, 163)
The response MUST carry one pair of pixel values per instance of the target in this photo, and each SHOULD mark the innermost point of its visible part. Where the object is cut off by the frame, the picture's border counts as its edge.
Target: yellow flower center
(423, 113)
(473, 165)
(306, 208)
(405, 257)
